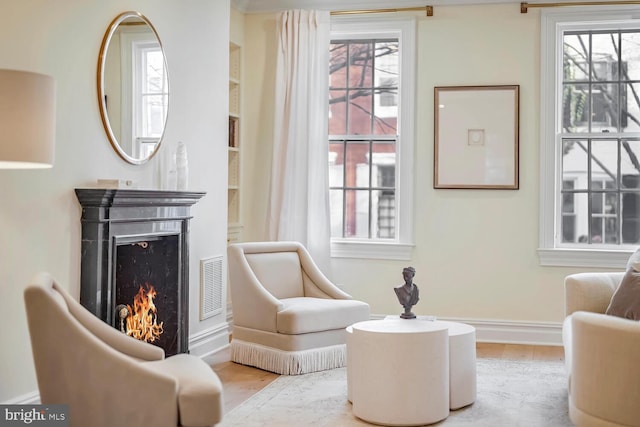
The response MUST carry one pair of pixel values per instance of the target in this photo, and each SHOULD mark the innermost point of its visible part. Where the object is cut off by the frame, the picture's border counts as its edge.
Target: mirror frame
(101, 92)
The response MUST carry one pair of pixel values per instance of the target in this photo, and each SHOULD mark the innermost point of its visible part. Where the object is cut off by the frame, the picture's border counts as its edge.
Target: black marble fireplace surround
(132, 239)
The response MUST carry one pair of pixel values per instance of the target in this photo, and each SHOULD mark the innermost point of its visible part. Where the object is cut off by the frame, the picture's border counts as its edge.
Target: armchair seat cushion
(302, 315)
(199, 389)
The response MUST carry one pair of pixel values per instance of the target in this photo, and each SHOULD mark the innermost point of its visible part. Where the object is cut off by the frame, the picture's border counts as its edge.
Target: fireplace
(134, 262)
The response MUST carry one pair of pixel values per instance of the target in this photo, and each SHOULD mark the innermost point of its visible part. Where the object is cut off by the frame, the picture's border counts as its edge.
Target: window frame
(367, 27)
(553, 24)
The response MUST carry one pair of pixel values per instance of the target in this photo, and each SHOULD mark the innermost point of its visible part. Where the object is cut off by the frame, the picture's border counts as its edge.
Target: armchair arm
(590, 291)
(604, 368)
(259, 308)
(314, 278)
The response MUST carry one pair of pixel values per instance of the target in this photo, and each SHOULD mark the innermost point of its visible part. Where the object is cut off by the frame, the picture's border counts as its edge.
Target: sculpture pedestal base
(408, 315)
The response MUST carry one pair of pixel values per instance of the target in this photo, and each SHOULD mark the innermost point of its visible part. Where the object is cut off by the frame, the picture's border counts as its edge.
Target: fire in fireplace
(146, 290)
(141, 320)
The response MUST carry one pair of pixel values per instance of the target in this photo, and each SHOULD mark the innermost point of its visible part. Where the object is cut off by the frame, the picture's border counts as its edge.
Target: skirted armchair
(288, 317)
(108, 378)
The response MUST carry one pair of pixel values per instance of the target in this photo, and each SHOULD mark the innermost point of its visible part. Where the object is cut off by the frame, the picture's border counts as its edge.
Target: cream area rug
(509, 394)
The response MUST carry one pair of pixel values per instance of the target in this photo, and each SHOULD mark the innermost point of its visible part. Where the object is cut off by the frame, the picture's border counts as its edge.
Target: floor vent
(210, 287)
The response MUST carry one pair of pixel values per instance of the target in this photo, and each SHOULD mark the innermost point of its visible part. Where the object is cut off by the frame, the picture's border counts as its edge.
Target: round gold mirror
(133, 88)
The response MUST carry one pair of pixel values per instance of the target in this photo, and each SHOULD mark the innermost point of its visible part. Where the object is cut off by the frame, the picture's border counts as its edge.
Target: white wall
(475, 253)
(39, 213)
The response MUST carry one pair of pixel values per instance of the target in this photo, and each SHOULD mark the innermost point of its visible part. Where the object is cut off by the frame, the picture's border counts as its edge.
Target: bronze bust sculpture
(408, 293)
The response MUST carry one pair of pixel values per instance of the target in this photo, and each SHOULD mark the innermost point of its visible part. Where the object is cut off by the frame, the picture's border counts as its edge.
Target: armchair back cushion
(278, 272)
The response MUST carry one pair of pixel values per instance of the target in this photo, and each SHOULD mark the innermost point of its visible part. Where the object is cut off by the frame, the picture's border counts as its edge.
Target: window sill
(593, 258)
(371, 250)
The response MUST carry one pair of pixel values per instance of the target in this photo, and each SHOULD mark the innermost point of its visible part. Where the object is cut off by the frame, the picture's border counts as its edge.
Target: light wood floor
(241, 382)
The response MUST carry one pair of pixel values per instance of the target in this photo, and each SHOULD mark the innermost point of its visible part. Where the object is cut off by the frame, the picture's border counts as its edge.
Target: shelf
(234, 99)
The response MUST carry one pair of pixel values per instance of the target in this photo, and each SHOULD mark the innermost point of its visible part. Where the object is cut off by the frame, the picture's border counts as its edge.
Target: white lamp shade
(27, 120)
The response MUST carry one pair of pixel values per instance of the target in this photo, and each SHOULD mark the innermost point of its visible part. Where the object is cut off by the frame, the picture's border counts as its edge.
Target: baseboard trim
(31, 398)
(207, 342)
(509, 332)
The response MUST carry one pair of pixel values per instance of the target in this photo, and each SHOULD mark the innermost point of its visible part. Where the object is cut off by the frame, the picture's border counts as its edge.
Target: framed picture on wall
(476, 137)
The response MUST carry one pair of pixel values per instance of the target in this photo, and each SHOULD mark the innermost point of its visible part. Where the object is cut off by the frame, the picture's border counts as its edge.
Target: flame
(142, 322)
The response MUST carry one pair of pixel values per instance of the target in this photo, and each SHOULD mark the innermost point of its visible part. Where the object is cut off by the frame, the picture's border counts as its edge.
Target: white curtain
(299, 202)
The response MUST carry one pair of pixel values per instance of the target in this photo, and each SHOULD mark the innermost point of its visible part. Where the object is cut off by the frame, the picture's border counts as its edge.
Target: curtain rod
(525, 6)
(427, 9)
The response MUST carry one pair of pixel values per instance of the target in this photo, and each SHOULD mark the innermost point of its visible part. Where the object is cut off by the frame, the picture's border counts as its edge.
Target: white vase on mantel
(182, 166)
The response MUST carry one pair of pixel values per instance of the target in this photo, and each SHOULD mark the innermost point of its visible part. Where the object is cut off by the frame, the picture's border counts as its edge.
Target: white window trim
(348, 27)
(552, 22)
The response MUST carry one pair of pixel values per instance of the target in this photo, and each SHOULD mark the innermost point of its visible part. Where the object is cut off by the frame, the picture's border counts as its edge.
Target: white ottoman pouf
(349, 362)
(462, 364)
(398, 371)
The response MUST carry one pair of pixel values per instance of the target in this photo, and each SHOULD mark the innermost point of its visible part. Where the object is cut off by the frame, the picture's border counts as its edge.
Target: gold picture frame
(476, 137)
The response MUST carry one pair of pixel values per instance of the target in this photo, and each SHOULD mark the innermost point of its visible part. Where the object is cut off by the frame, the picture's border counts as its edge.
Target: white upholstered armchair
(288, 317)
(108, 378)
(601, 354)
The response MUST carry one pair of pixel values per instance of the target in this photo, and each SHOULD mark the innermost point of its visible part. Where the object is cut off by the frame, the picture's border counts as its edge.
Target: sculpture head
(408, 272)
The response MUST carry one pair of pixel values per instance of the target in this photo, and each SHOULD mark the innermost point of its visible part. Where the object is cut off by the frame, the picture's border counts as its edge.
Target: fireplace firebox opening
(147, 290)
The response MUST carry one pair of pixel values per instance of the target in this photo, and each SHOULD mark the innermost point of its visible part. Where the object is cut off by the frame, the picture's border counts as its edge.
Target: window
(150, 93)
(145, 90)
(371, 74)
(590, 168)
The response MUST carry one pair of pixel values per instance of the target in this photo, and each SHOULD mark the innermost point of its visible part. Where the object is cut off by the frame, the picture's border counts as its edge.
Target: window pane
(631, 56)
(154, 73)
(335, 201)
(574, 219)
(604, 220)
(357, 164)
(336, 164)
(605, 57)
(604, 107)
(631, 218)
(386, 83)
(337, 112)
(153, 113)
(384, 163)
(360, 111)
(338, 65)
(576, 57)
(604, 163)
(383, 209)
(630, 164)
(575, 108)
(361, 65)
(630, 116)
(574, 163)
(357, 214)
(386, 117)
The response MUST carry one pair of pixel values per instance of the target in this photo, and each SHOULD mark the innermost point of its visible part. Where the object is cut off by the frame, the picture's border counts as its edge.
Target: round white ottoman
(462, 364)
(349, 363)
(398, 371)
